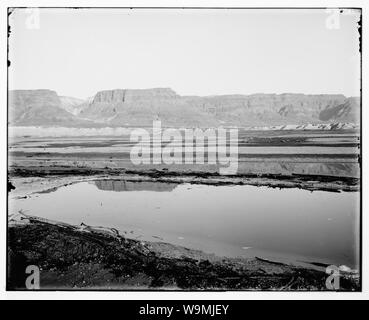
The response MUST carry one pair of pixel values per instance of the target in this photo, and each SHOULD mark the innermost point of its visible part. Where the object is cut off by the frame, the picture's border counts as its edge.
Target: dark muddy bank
(72, 257)
(302, 181)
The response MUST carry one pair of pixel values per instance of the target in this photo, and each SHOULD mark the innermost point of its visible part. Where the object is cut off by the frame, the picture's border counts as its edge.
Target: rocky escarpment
(274, 109)
(131, 95)
(139, 107)
(38, 108)
(347, 111)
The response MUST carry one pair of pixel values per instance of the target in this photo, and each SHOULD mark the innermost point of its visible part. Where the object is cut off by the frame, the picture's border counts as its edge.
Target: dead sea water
(282, 224)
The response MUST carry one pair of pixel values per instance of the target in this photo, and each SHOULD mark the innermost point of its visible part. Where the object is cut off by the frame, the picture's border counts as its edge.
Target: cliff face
(131, 95)
(140, 107)
(347, 111)
(270, 109)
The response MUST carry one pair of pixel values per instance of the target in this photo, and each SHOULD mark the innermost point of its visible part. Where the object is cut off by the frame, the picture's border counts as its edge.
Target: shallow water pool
(288, 224)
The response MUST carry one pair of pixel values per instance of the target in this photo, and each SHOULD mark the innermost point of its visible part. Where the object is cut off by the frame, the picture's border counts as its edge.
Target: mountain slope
(72, 105)
(139, 107)
(346, 111)
(134, 107)
(38, 108)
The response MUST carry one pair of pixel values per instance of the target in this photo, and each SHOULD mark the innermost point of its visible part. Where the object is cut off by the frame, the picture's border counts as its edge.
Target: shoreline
(158, 265)
(84, 257)
(300, 181)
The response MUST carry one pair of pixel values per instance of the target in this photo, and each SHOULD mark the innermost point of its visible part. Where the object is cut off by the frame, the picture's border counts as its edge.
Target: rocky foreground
(84, 257)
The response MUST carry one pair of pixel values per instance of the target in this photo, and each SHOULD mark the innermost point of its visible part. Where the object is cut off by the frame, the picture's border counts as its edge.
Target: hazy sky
(195, 52)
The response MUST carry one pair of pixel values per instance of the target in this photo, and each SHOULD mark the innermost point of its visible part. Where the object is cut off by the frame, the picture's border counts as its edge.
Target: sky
(78, 52)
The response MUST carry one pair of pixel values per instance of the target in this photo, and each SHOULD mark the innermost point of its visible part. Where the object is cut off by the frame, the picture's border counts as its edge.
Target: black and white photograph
(184, 149)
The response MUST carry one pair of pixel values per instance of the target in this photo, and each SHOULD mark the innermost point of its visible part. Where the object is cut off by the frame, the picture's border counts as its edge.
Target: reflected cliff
(122, 185)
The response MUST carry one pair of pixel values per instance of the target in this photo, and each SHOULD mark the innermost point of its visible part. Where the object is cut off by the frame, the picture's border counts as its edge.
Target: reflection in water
(122, 185)
(248, 221)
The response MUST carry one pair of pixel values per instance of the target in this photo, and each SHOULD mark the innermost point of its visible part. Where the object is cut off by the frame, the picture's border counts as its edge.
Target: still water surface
(288, 225)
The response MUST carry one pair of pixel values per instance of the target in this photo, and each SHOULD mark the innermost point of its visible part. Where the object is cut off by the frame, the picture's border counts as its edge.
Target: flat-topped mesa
(37, 97)
(130, 95)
